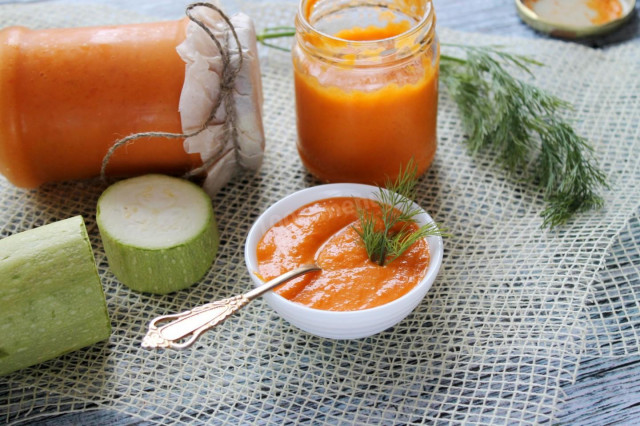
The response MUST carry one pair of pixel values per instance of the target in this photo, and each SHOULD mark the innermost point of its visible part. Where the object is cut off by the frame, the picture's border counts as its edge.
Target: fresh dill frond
(387, 236)
(372, 240)
(404, 239)
(517, 121)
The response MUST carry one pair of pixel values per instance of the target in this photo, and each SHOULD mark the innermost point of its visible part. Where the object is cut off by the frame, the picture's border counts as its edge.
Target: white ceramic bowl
(334, 324)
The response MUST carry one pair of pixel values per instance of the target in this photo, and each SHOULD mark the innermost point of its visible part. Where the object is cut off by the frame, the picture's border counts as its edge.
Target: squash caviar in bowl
(353, 296)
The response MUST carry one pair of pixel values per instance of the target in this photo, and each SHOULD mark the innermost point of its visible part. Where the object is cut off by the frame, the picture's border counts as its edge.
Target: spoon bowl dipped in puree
(352, 297)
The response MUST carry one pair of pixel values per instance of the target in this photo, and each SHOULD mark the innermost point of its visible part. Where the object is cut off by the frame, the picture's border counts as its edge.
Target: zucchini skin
(51, 297)
(165, 270)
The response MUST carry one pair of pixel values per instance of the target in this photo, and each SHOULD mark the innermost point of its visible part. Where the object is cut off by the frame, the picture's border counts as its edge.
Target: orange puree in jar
(372, 32)
(66, 95)
(323, 232)
(366, 95)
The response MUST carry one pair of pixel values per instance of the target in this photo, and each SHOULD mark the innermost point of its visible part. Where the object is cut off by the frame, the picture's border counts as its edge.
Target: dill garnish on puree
(371, 251)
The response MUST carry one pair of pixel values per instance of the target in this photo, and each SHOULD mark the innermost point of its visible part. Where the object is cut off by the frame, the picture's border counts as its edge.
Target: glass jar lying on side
(366, 83)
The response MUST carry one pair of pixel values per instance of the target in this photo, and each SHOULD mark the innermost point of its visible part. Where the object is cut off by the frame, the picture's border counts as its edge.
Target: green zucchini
(51, 298)
(159, 232)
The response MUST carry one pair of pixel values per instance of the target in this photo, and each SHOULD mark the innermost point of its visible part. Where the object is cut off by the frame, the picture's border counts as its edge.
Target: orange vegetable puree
(601, 11)
(606, 10)
(66, 95)
(373, 32)
(354, 135)
(323, 232)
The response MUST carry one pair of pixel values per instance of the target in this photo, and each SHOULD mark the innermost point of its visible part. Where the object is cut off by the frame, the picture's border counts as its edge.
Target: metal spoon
(169, 331)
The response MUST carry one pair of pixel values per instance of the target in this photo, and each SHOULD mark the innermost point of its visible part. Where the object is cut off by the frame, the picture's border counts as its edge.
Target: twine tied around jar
(227, 81)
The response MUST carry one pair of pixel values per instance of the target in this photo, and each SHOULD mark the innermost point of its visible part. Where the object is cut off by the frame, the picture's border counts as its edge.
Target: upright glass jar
(366, 84)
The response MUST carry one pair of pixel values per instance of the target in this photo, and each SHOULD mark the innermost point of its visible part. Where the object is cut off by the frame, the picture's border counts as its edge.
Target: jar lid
(575, 18)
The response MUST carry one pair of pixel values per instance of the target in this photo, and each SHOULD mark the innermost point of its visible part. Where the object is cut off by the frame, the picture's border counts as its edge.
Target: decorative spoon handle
(179, 331)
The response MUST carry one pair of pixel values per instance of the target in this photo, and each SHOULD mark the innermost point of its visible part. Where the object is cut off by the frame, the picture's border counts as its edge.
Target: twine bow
(227, 81)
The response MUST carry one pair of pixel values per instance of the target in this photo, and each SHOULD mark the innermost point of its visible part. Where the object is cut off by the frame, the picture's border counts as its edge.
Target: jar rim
(427, 19)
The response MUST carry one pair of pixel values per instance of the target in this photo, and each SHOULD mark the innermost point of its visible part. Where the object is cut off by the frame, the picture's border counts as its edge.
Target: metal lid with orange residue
(575, 18)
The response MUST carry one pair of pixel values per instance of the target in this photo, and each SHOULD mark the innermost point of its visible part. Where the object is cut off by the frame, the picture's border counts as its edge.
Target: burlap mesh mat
(504, 327)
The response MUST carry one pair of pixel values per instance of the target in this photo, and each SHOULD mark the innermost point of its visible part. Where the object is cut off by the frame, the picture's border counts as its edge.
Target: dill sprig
(388, 235)
(518, 121)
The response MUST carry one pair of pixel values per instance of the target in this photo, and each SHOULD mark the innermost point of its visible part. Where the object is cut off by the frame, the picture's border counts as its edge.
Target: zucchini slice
(159, 232)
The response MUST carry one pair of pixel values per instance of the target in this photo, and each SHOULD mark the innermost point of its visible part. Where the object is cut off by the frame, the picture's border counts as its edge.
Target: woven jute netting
(514, 308)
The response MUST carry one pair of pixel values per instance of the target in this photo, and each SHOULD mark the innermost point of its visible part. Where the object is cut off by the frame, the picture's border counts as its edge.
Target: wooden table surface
(607, 390)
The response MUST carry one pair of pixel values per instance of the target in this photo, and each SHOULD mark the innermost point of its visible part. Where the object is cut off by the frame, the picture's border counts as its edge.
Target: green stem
(388, 223)
(273, 33)
(280, 28)
(383, 250)
(267, 35)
